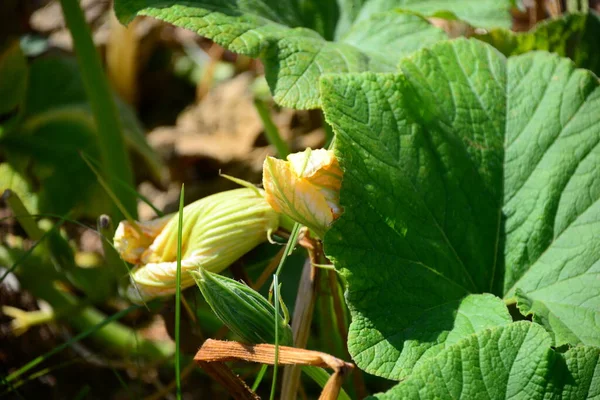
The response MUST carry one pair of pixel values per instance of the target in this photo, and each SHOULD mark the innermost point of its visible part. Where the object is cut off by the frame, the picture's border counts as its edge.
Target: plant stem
(303, 316)
(178, 297)
(320, 376)
(271, 131)
(338, 306)
(115, 337)
(329, 135)
(276, 321)
(110, 134)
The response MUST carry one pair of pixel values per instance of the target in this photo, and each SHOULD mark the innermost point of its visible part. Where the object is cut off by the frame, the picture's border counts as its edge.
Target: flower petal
(294, 196)
(131, 244)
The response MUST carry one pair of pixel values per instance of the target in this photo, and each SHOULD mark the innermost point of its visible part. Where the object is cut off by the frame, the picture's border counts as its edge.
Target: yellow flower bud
(217, 230)
(306, 187)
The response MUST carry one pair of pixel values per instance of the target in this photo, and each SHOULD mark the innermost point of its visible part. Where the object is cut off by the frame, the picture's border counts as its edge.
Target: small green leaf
(572, 35)
(512, 361)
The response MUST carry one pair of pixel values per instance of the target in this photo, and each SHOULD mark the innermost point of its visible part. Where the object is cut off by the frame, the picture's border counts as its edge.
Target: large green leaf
(293, 37)
(552, 195)
(393, 352)
(464, 173)
(403, 32)
(572, 35)
(483, 13)
(508, 362)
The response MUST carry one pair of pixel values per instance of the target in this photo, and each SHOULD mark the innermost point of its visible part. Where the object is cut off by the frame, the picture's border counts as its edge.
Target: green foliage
(486, 14)
(10, 178)
(572, 35)
(54, 125)
(14, 78)
(512, 361)
(299, 41)
(465, 173)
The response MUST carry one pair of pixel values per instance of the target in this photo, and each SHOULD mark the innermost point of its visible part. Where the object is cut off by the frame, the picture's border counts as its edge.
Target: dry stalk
(268, 272)
(357, 377)
(302, 316)
(214, 353)
(215, 53)
(122, 58)
(164, 392)
(220, 372)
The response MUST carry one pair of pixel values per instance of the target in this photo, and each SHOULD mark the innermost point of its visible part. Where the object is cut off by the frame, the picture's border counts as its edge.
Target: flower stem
(178, 297)
(271, 131)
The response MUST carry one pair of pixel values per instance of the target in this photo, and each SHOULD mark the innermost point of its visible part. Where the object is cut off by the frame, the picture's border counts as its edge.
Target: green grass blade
(289, 247)
(37, 375)
(259, 377)
(111, 141)
(111, 193)
(82, 393)
(21, 213)
(178, 296)
(126, 187)
(36, 361)
(122, 383)
(271, 131)
(11, 388)
(27, 221)
(320, 376)
(276, 321)
(30, 250)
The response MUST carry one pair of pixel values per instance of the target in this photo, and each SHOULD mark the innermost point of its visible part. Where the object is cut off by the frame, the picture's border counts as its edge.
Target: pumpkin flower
(306, 188)
(217, 230)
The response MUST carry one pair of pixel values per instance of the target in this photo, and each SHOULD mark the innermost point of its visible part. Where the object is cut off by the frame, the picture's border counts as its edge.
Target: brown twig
(214, 353)
(165, 391)
(122, 58)
(239, 272)
(215, 53)
(357, 377)
(268, 272)
(554, 8)
(303, 315)
(221, 373)
(223, 351)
